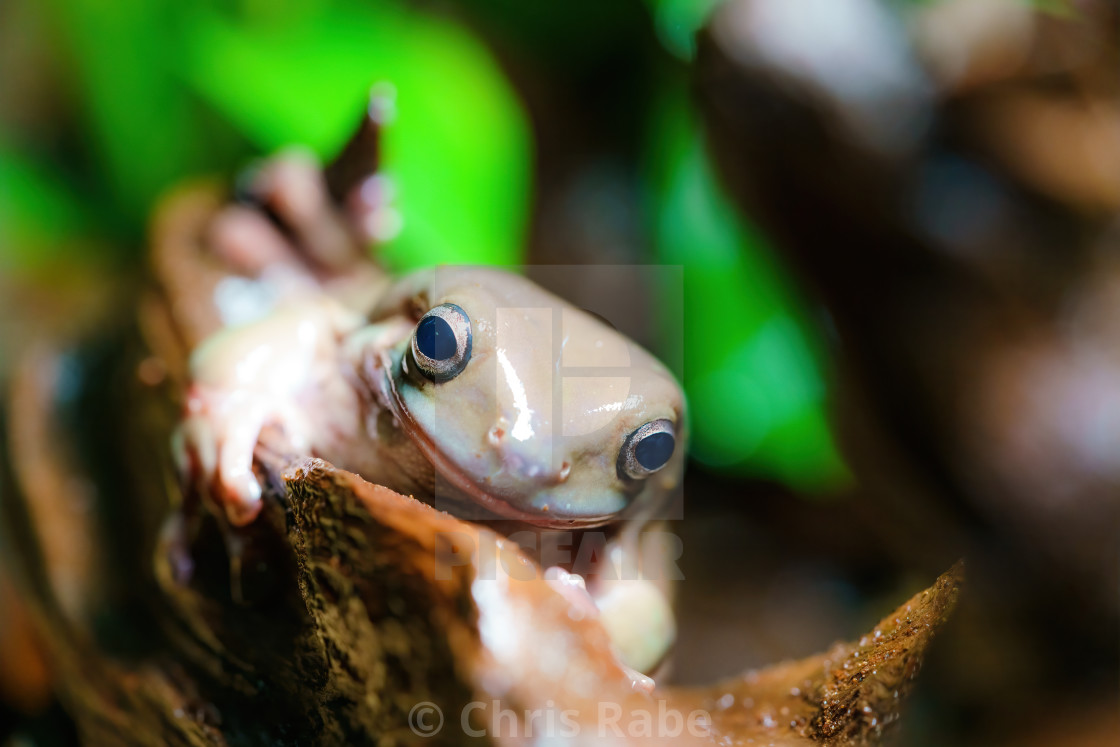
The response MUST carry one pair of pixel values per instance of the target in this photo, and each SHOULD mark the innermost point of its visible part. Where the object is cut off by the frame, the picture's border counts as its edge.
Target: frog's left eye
(441, 343)
(647, 449)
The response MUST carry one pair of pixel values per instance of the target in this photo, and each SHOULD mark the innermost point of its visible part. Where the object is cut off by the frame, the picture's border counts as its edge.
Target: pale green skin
(530, 430)
(533, 426)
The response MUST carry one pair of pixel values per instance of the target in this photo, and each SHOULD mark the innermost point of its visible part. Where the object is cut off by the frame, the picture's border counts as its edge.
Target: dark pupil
(654, 450)
(435, 339)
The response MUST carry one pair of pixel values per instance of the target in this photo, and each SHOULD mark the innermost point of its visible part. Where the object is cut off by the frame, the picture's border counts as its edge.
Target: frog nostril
(495, 435)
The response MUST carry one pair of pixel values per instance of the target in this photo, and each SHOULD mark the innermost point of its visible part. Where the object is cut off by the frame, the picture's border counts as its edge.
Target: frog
(447, 383)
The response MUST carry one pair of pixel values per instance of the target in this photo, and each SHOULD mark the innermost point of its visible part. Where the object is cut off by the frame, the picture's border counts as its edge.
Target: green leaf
(458, 151)
(751, 363)
(678, 21)
(39, 218)
(145, 129)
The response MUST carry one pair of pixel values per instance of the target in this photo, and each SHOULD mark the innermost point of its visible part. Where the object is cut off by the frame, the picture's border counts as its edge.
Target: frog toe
(240, 497)
(639, 620)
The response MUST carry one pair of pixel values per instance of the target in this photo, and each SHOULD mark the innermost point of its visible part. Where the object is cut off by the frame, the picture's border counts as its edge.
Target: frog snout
(583, 506)
(531, 460)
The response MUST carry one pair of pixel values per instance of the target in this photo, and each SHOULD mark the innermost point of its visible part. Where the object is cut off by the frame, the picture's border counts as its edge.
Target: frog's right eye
(441, 342)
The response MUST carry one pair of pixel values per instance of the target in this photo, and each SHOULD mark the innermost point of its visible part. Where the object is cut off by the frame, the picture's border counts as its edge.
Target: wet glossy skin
(532, 427)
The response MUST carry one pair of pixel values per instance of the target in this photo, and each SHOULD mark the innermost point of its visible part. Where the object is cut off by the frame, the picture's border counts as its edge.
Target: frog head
(527, 406)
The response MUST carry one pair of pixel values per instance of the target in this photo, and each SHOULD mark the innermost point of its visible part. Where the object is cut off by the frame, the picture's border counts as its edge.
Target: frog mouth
(461, 488)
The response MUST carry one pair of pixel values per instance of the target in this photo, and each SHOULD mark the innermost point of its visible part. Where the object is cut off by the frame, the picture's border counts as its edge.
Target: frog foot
(289, 193)
(635, 613)
(287, 233)
(638, 619)
(216, 440)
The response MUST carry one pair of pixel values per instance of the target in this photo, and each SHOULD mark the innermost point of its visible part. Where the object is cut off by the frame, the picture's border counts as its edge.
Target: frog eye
(441, 343)
(647, 449)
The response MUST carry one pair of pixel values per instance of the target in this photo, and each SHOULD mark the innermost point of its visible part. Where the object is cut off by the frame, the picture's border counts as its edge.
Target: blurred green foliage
(458, 150)
(677, 22)
(752, 369)
(159, 91)
(38, 214)
(169, 90)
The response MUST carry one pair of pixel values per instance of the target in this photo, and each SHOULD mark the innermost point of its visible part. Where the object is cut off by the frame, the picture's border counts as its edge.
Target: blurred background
(897, 222)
